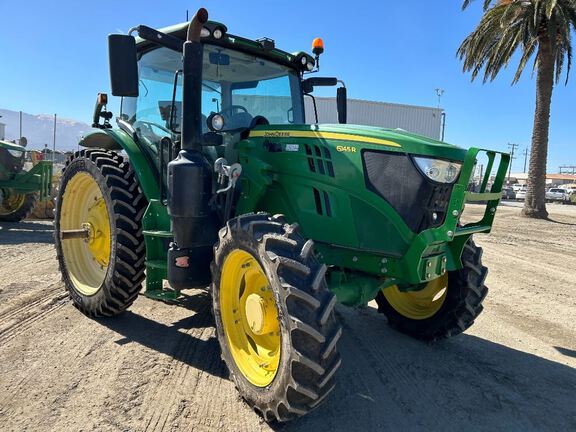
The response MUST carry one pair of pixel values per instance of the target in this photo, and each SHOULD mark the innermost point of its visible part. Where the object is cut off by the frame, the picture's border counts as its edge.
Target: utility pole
(20, 135)
(512, 148)
(54, 142)
(526, 153)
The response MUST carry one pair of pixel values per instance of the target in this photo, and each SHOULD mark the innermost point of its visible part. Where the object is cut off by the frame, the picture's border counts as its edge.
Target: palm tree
(539, 28)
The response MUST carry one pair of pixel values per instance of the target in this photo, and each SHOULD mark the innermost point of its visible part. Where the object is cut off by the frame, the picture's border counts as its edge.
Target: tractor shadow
(189, 340)
(12, 233)
(389, 382)
(560, 223)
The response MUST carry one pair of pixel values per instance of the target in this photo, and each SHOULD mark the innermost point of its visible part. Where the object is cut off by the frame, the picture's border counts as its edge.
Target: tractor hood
(11, 146)
(354, 138)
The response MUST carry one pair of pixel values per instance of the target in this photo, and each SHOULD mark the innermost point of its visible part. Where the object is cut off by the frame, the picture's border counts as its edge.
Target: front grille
(421, 203)
(9, 164)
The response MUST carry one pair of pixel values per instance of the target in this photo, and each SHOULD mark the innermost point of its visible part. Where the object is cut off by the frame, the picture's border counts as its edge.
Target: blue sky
(54, 59)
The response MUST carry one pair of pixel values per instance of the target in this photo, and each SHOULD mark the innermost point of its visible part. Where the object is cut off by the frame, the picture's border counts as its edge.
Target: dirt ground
(158, 367)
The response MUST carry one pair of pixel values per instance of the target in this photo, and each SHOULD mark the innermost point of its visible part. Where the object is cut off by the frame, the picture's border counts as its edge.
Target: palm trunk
(535, 204)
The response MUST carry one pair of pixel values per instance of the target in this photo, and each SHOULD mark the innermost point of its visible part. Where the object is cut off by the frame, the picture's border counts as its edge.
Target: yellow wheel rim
(250, 318)
(12, 204)
(87, 260)
(419, 305)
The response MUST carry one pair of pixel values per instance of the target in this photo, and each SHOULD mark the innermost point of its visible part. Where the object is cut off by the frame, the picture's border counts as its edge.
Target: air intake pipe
(194, 224)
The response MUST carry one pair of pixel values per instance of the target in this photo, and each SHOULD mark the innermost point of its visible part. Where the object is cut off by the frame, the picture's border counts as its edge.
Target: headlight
(437, 170)
(217, 33)
(217, 122)
(16, 153)
(204, 32)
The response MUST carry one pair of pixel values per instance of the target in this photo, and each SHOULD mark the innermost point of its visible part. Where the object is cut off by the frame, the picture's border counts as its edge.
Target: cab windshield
(239, 86)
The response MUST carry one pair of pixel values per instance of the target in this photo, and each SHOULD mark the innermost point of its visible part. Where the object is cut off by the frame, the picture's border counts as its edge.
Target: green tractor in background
(20, 190)
(213, 177)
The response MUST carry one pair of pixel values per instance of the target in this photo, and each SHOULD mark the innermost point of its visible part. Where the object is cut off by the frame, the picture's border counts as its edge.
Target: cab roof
(230, 41)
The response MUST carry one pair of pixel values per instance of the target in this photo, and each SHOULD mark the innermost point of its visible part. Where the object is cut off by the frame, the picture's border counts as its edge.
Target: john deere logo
(277, 134)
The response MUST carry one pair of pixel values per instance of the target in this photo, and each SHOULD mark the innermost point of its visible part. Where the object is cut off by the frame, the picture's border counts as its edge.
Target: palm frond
(508, 26)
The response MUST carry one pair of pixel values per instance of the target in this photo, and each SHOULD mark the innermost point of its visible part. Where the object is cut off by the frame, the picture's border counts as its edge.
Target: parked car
(517, 187)
(521, 194)
(557, 194)
(508, 193)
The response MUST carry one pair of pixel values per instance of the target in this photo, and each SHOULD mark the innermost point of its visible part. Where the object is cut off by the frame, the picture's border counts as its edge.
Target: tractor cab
(239, 91)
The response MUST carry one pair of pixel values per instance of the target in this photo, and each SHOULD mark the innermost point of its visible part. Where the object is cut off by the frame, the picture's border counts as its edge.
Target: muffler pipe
(192, 83)
(194, 224)
(195, 26)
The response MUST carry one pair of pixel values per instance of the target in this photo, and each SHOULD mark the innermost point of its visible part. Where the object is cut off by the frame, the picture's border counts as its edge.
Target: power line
(568, 169)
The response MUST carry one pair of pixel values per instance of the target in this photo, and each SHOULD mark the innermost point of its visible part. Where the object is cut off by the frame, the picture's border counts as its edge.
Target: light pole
(54, 142)
(439, 93)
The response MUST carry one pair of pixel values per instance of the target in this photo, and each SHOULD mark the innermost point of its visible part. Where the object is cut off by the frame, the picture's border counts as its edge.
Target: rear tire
(308, 358)
(23, 208)
(112, 289)
(462, 303)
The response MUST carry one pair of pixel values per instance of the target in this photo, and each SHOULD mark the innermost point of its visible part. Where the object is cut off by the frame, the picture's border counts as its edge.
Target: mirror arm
(173, 106)
(151, 35)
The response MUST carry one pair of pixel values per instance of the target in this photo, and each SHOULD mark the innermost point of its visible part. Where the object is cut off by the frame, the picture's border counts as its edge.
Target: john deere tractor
(19, 189)
(212, 177)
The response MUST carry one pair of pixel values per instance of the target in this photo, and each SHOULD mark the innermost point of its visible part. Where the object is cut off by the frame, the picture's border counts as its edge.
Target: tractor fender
(142, 163)
(100, 139)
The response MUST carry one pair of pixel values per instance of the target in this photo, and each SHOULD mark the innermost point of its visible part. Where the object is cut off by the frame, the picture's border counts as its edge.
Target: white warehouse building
(419, 120)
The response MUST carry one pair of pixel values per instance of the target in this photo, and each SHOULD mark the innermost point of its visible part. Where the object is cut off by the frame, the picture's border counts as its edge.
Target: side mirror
(342, 104)
(309, 84)
(123, 65)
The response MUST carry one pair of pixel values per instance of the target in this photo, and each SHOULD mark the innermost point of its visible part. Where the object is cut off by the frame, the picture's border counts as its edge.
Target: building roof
(561, 176)
(564, 177)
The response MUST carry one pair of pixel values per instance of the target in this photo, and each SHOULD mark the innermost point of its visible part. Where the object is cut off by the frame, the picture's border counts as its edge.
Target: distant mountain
(39, 129)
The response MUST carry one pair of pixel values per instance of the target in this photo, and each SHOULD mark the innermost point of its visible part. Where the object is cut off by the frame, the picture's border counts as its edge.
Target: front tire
(99, 192)
(274, 316)
(448, 309)
(17, 207)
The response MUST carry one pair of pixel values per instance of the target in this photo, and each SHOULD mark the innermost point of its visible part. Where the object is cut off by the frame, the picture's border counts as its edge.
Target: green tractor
(19, 189)
(212, 177)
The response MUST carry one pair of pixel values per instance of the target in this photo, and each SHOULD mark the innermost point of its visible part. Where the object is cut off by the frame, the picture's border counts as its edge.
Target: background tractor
(212, 177)
(20, 190)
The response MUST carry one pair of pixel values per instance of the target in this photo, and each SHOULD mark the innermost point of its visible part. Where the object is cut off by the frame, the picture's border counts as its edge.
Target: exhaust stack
(192, 83)
(194, 224)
